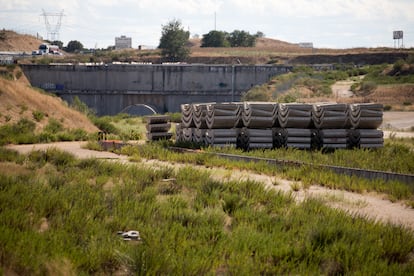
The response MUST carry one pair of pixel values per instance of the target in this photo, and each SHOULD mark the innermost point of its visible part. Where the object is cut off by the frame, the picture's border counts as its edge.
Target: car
(130, 235)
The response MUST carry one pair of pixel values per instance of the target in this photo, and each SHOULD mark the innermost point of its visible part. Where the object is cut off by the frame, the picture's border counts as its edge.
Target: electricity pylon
(53, 21)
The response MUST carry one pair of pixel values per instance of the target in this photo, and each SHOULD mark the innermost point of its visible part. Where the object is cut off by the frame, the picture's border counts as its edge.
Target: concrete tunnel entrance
(139, 110)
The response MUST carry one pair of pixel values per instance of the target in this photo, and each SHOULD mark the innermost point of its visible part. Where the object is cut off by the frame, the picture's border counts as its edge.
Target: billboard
(398, 34)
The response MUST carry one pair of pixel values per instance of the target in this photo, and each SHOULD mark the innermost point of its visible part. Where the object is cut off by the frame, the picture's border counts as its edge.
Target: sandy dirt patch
(342, 89)
(394, 120)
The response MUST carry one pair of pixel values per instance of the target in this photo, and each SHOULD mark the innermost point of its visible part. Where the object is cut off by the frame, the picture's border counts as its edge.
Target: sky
(325, 23)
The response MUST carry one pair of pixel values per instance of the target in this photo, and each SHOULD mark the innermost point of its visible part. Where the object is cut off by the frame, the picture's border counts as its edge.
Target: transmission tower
(53, 21)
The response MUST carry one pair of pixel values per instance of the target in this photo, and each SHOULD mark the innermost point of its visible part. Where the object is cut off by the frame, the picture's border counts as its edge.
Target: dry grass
(13, 169)
(18, 100)
(18, 42)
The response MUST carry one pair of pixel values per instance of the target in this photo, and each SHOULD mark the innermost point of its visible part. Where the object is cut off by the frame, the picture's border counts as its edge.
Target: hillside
(18, 100)
(14, 42)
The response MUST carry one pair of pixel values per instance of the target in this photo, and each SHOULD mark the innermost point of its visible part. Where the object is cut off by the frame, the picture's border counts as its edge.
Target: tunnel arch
(139, 109)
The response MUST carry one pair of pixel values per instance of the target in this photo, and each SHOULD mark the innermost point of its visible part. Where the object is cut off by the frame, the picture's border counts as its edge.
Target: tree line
(174, 41)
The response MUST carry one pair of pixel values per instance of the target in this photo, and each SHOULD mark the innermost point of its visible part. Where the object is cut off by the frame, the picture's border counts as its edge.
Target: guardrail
(363, 173)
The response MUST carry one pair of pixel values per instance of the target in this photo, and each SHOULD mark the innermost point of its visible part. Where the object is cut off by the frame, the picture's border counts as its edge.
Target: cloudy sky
(326, 23)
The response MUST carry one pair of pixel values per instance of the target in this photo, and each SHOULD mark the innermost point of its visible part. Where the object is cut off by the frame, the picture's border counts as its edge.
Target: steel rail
(363, 173)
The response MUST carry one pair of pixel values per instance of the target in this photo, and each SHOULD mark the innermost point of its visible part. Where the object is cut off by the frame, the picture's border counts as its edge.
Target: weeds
(23, 132)
(380, 159)
(38, 115)
(190, 224)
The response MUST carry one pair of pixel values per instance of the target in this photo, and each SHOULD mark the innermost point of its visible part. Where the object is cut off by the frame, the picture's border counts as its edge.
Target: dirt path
(395, 123)
(372, 206)
(342, 89)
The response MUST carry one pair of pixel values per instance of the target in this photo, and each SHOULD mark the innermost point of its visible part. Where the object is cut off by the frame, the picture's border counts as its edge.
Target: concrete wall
(110, 88)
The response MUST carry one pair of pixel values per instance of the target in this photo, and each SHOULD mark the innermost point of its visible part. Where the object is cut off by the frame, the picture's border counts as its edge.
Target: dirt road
(372, 206)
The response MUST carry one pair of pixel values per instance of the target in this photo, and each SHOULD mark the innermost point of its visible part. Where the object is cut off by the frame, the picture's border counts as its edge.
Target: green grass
(196, 226)
(381, 159)
(23, 132)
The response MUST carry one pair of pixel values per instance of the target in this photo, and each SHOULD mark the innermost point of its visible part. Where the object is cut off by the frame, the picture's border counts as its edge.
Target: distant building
(123, 42)
(305, 45)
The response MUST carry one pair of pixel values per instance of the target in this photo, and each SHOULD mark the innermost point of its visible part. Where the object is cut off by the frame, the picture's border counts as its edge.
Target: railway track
(363, 173)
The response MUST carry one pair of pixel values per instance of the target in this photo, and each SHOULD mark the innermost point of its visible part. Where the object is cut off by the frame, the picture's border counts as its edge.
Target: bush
(38, 115)
(368, 86)
(387, 107)
(53, 126)
(105, 125)
(256, 94)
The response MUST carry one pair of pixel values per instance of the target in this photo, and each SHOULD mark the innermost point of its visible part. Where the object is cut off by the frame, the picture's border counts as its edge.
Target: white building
(123, 42)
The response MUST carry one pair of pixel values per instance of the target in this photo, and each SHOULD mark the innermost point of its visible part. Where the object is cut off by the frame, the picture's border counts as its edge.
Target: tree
(259, 34)
(74, 46)
(57, 43)
(173, 41)
(215, 39)
(242, 39)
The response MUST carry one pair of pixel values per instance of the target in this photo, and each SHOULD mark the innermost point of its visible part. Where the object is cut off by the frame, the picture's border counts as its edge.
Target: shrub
(288, 98)
(398, 65)
(256, 94)
(104, 124)
(47, 137)
(368, 86)
(38, 115)
(53, 126)
(175, 117)
(387, 107)
(19, 74)
(23, 108)
(80, 106)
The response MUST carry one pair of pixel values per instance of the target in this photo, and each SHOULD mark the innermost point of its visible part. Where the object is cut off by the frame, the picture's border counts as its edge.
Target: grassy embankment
(391, 85)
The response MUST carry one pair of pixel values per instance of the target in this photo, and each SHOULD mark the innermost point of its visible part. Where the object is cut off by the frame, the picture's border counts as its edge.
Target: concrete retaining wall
(111, 88)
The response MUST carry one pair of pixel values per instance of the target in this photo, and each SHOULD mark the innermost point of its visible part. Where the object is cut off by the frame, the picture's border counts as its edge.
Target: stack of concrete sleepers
(331, 121)
(329, 115)
(258, 120)
(253, 125)
(295, 119)
(250, 138)
(279, 137)
(187, 116)
(332, 138)
(158, 127)
(366, 138)
(200, 121)
(199, 136)
(295, 115)
(200, 115)
(179, 135)
(222, 137)
(300, 138)
(223, 120)
(224, 115)
(259, 115)
(185, 130)
(188, 134)
(371, 138)
(365, 115)
(365, 118)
